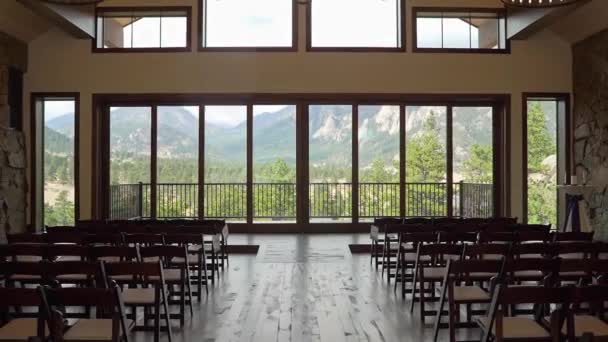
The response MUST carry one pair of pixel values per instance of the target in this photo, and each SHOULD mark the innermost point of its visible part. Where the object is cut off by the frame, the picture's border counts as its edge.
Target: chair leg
(371, 255)
(414, 283)
(156, 318)
(439, 312)
(165, 300)
(189, 288)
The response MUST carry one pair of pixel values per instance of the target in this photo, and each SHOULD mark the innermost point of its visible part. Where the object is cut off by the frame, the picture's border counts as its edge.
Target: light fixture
(74, 2)
(539, 3)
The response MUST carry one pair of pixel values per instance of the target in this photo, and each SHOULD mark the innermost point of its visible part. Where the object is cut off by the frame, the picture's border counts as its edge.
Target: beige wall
(60, 63)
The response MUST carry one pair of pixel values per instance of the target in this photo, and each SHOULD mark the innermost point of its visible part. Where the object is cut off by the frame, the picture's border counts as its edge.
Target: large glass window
(459, 29)
(177, 161)
(542, 155)
(247, 23)
(426, 161)
(58, 167)
(473, 161)
(356, 24)
(130, 162)
(148, 28)
(379, 169)
(225, 187)
(274, 163)
(330, 162)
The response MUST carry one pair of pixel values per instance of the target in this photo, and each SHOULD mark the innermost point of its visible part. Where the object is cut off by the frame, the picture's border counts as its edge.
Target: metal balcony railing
(277, 201)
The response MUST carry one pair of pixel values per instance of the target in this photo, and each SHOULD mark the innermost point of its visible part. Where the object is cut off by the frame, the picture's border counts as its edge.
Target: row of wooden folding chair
(109, 323)
(560, 324)
(463, 279)
(431, 259)
(142, 284)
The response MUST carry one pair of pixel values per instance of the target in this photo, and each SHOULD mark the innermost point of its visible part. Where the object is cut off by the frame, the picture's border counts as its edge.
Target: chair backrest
(26, 238)
(493, 251)
(533, 236)
(465, 270)
(117, 253)
(548, 267)
(19, 298)
(439, 252)
(146, 239)
(32, 252)
(104, 238)
(493, 237)
(407, 228)
(522, 227)
(466, 227)
(572, 236)
(38, 269)
(164, 252)
(144, 269)
(65, 236)
(62, 250)
(579, 250)
(540, 297)
(184, 239)
(108, 302)
(94, 271)
(453, 237)
(532, 250)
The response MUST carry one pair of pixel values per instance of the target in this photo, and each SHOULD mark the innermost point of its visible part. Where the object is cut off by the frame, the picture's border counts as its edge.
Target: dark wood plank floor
(302, 288)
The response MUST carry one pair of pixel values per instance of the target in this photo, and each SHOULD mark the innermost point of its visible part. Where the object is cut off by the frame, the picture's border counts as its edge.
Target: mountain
(63, 124)
(57, 143)
(274, 133)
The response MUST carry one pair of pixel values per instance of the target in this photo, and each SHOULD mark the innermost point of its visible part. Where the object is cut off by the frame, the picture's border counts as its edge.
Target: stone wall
(590, 75)
(12, 146)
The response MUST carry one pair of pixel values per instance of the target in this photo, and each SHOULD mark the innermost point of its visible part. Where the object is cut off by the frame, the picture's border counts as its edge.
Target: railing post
(461, 199)
(140, 198)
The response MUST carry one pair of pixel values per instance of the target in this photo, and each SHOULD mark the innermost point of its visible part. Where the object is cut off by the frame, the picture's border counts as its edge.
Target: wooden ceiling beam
(77, 20)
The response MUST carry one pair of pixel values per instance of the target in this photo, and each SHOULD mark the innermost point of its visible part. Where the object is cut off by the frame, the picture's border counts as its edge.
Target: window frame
(37, 199)
(202, 32)
(501, 12)
(402, 32)
(499, 103)
(186, 9)
(563, 101)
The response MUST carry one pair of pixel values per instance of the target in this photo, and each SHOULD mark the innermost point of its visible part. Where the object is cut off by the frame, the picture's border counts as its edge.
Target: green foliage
(478, 167)
(542, 193)
(426, 154)
(60, 214)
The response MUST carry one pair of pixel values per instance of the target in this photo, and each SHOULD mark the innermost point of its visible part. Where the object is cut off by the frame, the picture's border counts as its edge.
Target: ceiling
(20, 22)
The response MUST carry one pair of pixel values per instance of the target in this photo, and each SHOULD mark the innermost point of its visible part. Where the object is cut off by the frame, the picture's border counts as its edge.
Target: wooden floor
(302, 288)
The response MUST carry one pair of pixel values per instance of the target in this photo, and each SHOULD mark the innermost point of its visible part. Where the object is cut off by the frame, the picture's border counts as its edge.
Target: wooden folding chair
(392, 245)
(64, 235)
(109, 323)
(523, 227)
(459, 289)
(138, 277)
(486, 251)
(377, 230)
(431, 272)
(409, 239)
(452, 237)
(79, 273)
(594, 322)
(176, 275)
(532, 250)
(499, 326)
(14, 326)
(533, 236)
(197, 259)
(26, 252)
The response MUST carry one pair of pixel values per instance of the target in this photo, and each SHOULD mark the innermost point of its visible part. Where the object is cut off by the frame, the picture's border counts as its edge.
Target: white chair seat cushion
(588, 324)
(518, 328)
(470, 294)
(91, 329)
(139, 296)
(433, 273)
(20, 329)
